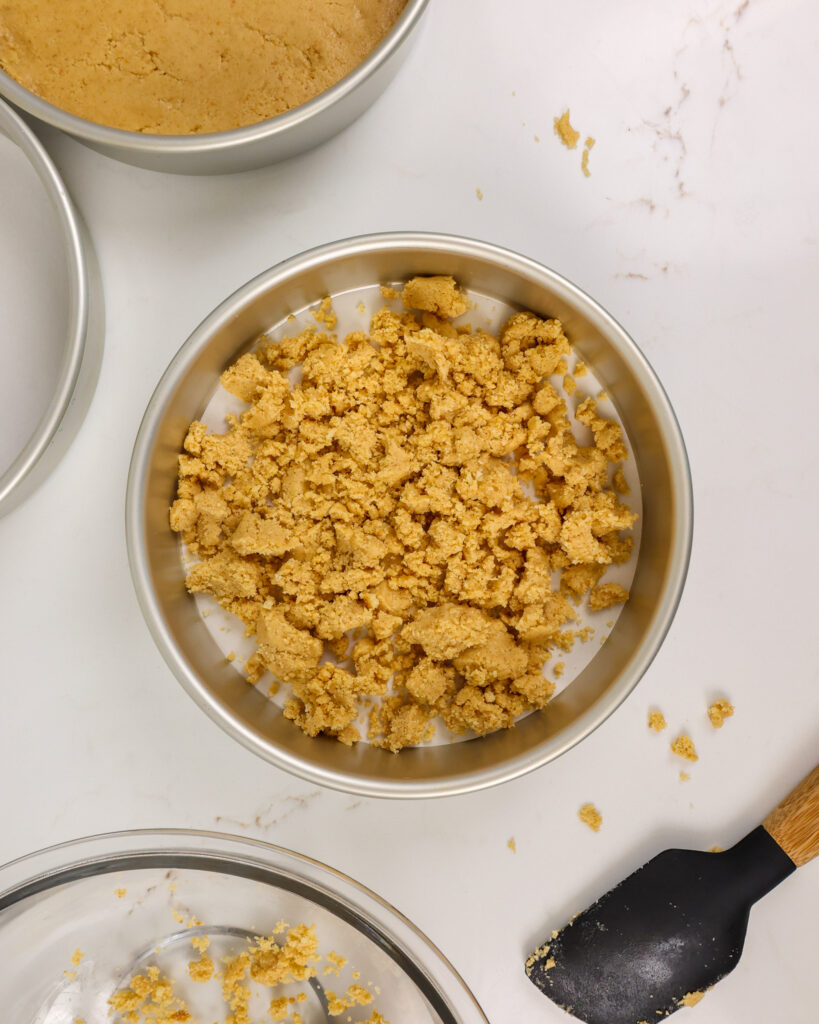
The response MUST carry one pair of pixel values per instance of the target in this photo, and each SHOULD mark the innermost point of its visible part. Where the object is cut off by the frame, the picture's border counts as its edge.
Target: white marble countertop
(698, 230)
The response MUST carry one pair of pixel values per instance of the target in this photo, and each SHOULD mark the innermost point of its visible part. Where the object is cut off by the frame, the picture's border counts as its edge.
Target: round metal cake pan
(614, 671)
(84, 328)
(240, 149)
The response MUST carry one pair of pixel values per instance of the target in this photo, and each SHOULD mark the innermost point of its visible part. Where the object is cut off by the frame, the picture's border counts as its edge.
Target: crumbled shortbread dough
(186, 66)
(683, 746)
(400, 511)
(719, 711)
(438, 295)
(656, 721)
(619, 482)
(202, 969)
(606, 596)
(590, 816)
(149, 998)
(335, 963)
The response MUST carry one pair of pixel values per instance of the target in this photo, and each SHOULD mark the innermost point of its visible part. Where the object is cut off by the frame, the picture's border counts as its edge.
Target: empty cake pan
(53, 314)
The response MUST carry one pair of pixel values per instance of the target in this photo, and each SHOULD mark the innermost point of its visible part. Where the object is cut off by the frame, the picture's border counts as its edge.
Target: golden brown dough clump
(565, 132)
(590, 816)
(683, 746)
(719, 711)
(186, 66)
(401, 511)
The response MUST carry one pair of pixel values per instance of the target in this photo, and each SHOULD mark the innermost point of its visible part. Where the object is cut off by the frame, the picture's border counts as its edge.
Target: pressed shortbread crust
(186, 66)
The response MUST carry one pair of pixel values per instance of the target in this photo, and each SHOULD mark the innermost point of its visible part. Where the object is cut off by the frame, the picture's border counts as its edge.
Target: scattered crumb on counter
(513, 846)
(719, 711)
(656, 721)
(120, 893)
(76, 959)
(564, 131)
(70, 975)
(584, 160)
(590, 816)
(478, 193)
(683, 746)
(685, 777)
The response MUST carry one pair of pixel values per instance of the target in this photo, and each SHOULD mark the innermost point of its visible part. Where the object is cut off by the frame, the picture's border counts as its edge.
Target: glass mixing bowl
(79, 920)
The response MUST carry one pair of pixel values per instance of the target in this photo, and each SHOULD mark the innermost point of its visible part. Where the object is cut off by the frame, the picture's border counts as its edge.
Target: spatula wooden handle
(794, 824)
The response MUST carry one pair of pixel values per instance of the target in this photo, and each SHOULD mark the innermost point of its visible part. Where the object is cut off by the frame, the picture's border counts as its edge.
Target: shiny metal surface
(240, 149)
(235, 886)
(82, 353)
(248, 716)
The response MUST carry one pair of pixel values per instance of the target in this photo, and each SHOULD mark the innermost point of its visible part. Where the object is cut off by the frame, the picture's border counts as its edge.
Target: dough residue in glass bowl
(387, 524)
(186, 66)
(268, 963)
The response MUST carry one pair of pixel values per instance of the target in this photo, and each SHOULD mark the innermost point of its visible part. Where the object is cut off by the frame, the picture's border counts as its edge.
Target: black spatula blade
(670, 930)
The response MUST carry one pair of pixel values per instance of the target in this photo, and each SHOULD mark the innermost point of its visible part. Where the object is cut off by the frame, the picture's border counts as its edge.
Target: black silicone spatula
(659, 939)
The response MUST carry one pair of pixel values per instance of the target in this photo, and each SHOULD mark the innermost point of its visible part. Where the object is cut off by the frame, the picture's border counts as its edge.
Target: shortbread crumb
(590, 816)
(683, 746)
(719, 711)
